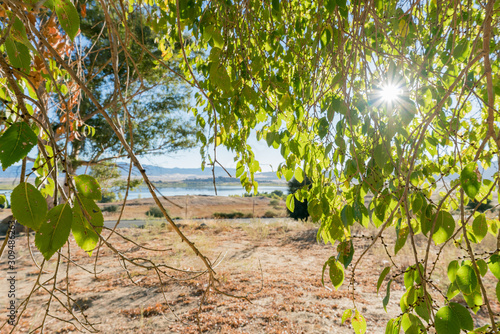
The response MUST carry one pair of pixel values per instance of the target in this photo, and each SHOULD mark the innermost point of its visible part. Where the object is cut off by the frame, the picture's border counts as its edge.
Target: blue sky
(269, 158)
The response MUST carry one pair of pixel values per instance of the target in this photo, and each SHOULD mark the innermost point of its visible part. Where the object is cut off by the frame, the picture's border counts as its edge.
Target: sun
(390, 92)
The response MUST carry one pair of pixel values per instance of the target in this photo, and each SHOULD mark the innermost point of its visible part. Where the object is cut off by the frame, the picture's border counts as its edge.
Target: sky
(268, 157)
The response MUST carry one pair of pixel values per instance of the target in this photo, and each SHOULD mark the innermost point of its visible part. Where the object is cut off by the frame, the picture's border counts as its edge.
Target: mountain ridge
(155, 172)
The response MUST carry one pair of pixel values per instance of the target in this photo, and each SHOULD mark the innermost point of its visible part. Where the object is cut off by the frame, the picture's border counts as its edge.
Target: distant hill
(156, 173)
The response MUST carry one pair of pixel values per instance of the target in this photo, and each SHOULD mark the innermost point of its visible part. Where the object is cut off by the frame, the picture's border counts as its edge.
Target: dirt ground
(190, 207)
(276, 266)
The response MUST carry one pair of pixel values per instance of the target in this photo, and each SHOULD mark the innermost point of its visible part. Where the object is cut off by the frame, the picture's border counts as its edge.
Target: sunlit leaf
(445, 226)
(447, 321)
(28, 205)
(68, 17)
(88, 187)
(87, 223)
(336, 274)
(54, 232)
(466, 279)
(470, 181)
(15, 143)
(494, 265)
(346, 315)
(464, 316)
(480, 227)
(358, 323)
(452, 270)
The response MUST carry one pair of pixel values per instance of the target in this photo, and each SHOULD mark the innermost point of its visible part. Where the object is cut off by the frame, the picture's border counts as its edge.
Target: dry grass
(276, 265)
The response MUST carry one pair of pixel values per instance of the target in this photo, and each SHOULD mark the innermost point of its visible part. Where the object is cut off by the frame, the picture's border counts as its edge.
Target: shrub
(277, 193)
(274, 202)
(482, 207)
(110, 208)
(223, 215)
(154, 211)
(270, 214)
(108, 197)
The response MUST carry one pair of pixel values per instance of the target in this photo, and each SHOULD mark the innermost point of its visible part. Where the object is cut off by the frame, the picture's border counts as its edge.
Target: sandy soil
(276, 266)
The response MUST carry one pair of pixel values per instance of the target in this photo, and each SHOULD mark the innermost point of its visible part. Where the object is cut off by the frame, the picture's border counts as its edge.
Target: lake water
(208, 190)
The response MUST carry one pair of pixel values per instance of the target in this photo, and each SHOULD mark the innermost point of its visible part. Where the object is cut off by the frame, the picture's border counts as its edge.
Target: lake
(143, 192)
(208, 190)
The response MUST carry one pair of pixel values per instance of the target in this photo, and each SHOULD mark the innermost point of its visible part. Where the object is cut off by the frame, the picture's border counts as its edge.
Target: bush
(482, 207)
(270, 214)
(154, 211)
(110, 208)
(274, 202)
(108, 197)
(277, 194)
(222, 215)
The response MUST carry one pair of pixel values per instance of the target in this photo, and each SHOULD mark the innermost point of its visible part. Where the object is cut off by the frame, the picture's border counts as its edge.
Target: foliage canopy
(381, 104)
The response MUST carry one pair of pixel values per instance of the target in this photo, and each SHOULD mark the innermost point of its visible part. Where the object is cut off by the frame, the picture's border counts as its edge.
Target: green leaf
(86, 237)
(480, 227)
(408, 298)
(474, 300)
(299, 174)
(385, 301)
(347, 215)
(285, 102)
(290, 202)
(452, 291)
(88, 187)
(380, 155)
(346, 315)
(28, 205)
(411, 324)
(346, 252)
(68, 17)
(445, 226)
(16, 143)
(358, 323)
(452, 270)
(422, 310)
(461, 50)
(409, 277)
(54, 232)
(425, 219)
(418, 203)
(470, 180)
(447, 321)
(382, 276)
(18, 33)
(401, 239)
(393, 326)
(336, 274)
(464, 316)
(497, 291)
(494, 265)
(19, 55)
(466, 279)
(3, 199)
(483, 267)
(276, 5)
(220, 77)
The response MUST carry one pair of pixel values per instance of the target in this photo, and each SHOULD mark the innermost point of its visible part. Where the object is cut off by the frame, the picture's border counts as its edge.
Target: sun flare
(390, 92)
